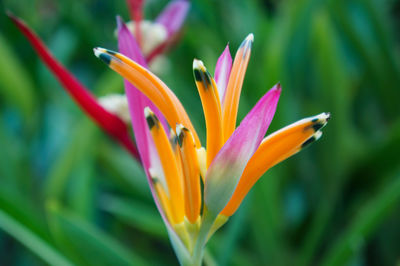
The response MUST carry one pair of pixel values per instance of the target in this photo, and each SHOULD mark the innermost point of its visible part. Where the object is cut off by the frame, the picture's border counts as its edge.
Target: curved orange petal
(232, 92)
(151, 86)
(275, 148)
(212, 109)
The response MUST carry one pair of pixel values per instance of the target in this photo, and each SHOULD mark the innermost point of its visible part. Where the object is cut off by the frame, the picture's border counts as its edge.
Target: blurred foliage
(69, 195)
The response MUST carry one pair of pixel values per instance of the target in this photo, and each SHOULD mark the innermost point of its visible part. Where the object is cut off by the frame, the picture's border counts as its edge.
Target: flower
(154, 37)
(173, 157)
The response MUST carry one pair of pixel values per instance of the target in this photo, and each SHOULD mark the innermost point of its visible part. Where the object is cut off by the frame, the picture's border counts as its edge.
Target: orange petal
(212, 109)
(150, 85)
(275, 148)
(232, 93)
(191, 171)
(171, 171)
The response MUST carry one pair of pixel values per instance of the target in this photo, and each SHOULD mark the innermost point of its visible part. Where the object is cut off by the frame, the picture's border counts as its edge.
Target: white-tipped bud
(116, 104)
(325, 116)
(98, 51)
(179, 128)
(250, 37)
(198, 64)
(147, 111)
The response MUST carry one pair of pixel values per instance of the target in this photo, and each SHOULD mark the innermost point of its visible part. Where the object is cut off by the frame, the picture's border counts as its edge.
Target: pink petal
(226, 169)
(137, 101)
(222, 72)
(128, 45)
(173, 16)
(109, 122)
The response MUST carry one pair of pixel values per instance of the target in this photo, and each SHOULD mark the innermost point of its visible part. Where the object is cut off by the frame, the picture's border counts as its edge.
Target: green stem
(206, 225)
(209, 260)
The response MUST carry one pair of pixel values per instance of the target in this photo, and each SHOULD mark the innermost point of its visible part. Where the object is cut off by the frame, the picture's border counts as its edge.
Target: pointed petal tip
(250, 37)
(104, 54)
(13, 17)
(197, 64)
(106, 58)
(179, 128)
(151, 119)
(120, 22)
(227, 48)
(222, 71)
(104, 50)
(97, 51)
(16, 20)
(276, 90)
(247, 42)
(278, 87)
(121, 25)
(10, 14)
(226, 55)
(147, 111)
(324, 117)
(328, 116)
(319, 121)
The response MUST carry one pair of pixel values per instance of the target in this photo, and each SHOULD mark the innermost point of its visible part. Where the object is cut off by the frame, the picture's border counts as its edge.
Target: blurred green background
(70, 195)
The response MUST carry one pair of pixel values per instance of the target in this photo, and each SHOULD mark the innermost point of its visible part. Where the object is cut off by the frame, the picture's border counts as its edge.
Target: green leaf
(88, 244)
(124, 170)
(10, 157)
(21, 208)
(15, 84)
(82, 187)
(32, 241)
(267, 229)
(108, 83)
(339, 137)
(84, 138)
(231, 238)
(136, 214)
(365, 223)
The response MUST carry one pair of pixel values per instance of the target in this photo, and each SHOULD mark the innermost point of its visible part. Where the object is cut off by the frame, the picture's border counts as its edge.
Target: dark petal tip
(318, 126)
(308, 142)
(197, 74)
(106, 58)
(180, 138)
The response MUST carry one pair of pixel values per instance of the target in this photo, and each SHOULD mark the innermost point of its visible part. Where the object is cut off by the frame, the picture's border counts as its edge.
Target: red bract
(109, 122)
